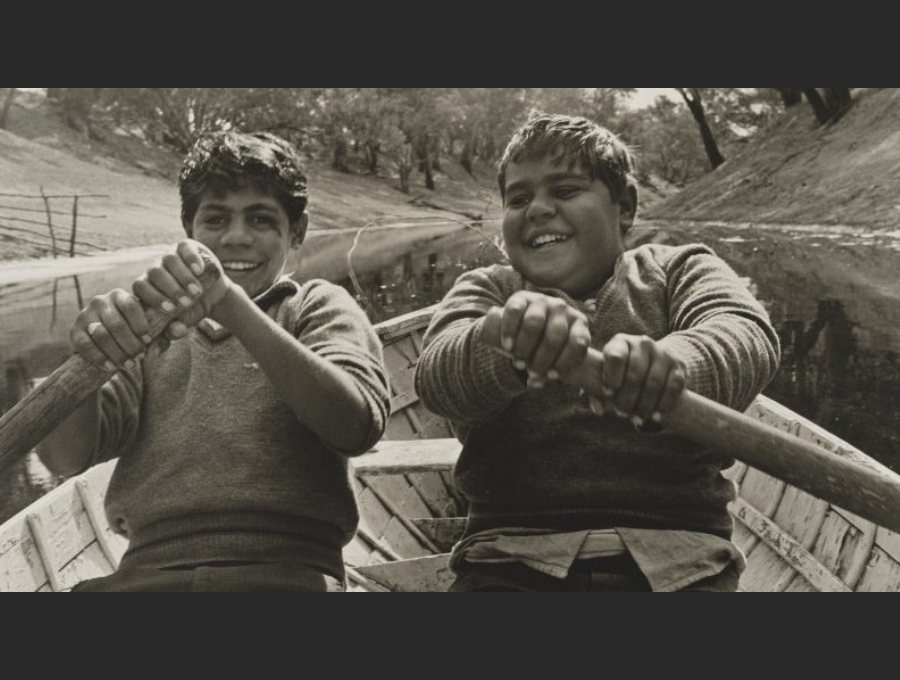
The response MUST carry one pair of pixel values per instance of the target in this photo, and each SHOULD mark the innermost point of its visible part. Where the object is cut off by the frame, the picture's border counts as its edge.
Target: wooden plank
(889, 542)
(21, 569)
(381, 550)
(357, 583)
(403, 400)
(356, 552)
(404, 457)
(434, 493)
(397, 494)
(373, 516)
(766, 571)
(844, 548)
(743, 538)
(800, 515)
(90, 563)
(404, 542)
(882, 574)
(445, 532)
(789, 549)
(800, 585)
(400, 360)
(40, 543)
(760, 491)
(423, 575)
(401, 500)
(97, 520)
(402, 325)
(66, 526)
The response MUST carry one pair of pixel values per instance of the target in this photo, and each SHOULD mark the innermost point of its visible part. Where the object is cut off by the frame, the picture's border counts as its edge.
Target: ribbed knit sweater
(213, 466)
(542, 458)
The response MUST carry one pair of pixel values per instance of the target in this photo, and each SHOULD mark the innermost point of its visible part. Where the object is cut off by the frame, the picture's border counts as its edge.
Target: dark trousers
(226, 577)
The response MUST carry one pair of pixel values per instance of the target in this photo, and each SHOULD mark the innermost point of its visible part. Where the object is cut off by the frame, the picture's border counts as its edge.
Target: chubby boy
(232, 433)
(565, 493)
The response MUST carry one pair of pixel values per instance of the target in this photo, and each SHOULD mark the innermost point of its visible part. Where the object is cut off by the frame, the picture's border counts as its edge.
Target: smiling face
(561, 227)
(251, 234)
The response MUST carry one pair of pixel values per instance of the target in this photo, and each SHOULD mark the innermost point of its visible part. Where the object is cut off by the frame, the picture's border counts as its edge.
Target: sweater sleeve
(332, 325)
(458, 376)
(120, 407)
(720, 331)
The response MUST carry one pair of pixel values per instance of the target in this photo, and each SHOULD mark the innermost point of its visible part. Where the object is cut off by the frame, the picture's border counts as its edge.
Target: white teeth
(546, 239)
(239, 266)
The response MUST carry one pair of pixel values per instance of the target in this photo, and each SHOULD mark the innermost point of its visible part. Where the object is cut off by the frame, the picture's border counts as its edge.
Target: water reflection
(835, 303)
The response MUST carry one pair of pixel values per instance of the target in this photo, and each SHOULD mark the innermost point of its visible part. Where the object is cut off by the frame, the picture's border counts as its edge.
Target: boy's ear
(298, 230)
(627, 208)
(188, 228)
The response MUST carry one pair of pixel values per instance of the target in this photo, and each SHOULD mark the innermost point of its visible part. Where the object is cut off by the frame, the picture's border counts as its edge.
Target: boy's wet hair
(223, 162)
(575, 140)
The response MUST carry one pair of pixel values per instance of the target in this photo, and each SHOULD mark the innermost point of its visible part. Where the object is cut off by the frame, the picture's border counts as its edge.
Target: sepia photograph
(450, 340)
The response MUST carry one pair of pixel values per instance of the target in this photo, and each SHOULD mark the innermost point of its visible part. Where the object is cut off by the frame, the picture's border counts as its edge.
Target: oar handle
(870, 493)
(51, 402)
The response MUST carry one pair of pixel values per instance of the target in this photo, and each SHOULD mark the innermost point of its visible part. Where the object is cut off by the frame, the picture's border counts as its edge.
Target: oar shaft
(869, 493)
(51, 402)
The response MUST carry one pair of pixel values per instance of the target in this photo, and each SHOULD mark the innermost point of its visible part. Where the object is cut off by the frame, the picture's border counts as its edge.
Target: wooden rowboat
(410, 512)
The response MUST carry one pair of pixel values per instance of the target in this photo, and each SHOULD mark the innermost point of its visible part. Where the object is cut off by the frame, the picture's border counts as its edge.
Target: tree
(828, 109)
(817, 103)
(694, 101)
(7, 104)
(790, 96)
(664, 138)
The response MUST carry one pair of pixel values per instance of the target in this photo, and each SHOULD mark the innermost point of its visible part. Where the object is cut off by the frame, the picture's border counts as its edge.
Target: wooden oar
(870, 493)
(51, 402)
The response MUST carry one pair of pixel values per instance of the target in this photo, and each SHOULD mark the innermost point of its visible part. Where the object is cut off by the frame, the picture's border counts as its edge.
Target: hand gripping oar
(51, 402)
(870, 493)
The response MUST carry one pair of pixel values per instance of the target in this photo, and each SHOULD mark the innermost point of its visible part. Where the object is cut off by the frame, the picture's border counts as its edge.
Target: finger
(169, 286)
(130, 308)
(491, 328)
(574, 351)
(626, 399)
(510, 321)
(115, 337)
(176, 330)
(151, 296)
(181, 272)
(531, 330)
(189, 252)
(653, 387)
(676, 382)
(81, 344)
(615, 361)
(552, 342)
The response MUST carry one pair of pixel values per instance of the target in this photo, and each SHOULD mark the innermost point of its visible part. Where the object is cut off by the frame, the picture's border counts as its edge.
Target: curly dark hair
(573, 139)
(223, 162)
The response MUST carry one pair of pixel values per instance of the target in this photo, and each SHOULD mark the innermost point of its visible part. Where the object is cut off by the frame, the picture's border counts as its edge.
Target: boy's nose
(540, 208)
(237, 234)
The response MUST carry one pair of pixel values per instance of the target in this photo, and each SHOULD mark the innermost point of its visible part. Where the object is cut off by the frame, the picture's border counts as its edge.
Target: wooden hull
(410, 511)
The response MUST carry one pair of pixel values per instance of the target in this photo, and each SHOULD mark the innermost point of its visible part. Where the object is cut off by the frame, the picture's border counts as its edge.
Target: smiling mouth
(241, 267)
(545, 240)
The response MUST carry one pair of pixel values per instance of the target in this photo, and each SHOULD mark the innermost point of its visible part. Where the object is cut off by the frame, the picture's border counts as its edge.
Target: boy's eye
(214, 221)
(566, 191)
(261, 220)
(518, 201)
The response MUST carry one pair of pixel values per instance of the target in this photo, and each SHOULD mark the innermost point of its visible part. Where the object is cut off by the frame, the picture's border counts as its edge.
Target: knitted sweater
(213, 466)
(543, 458)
